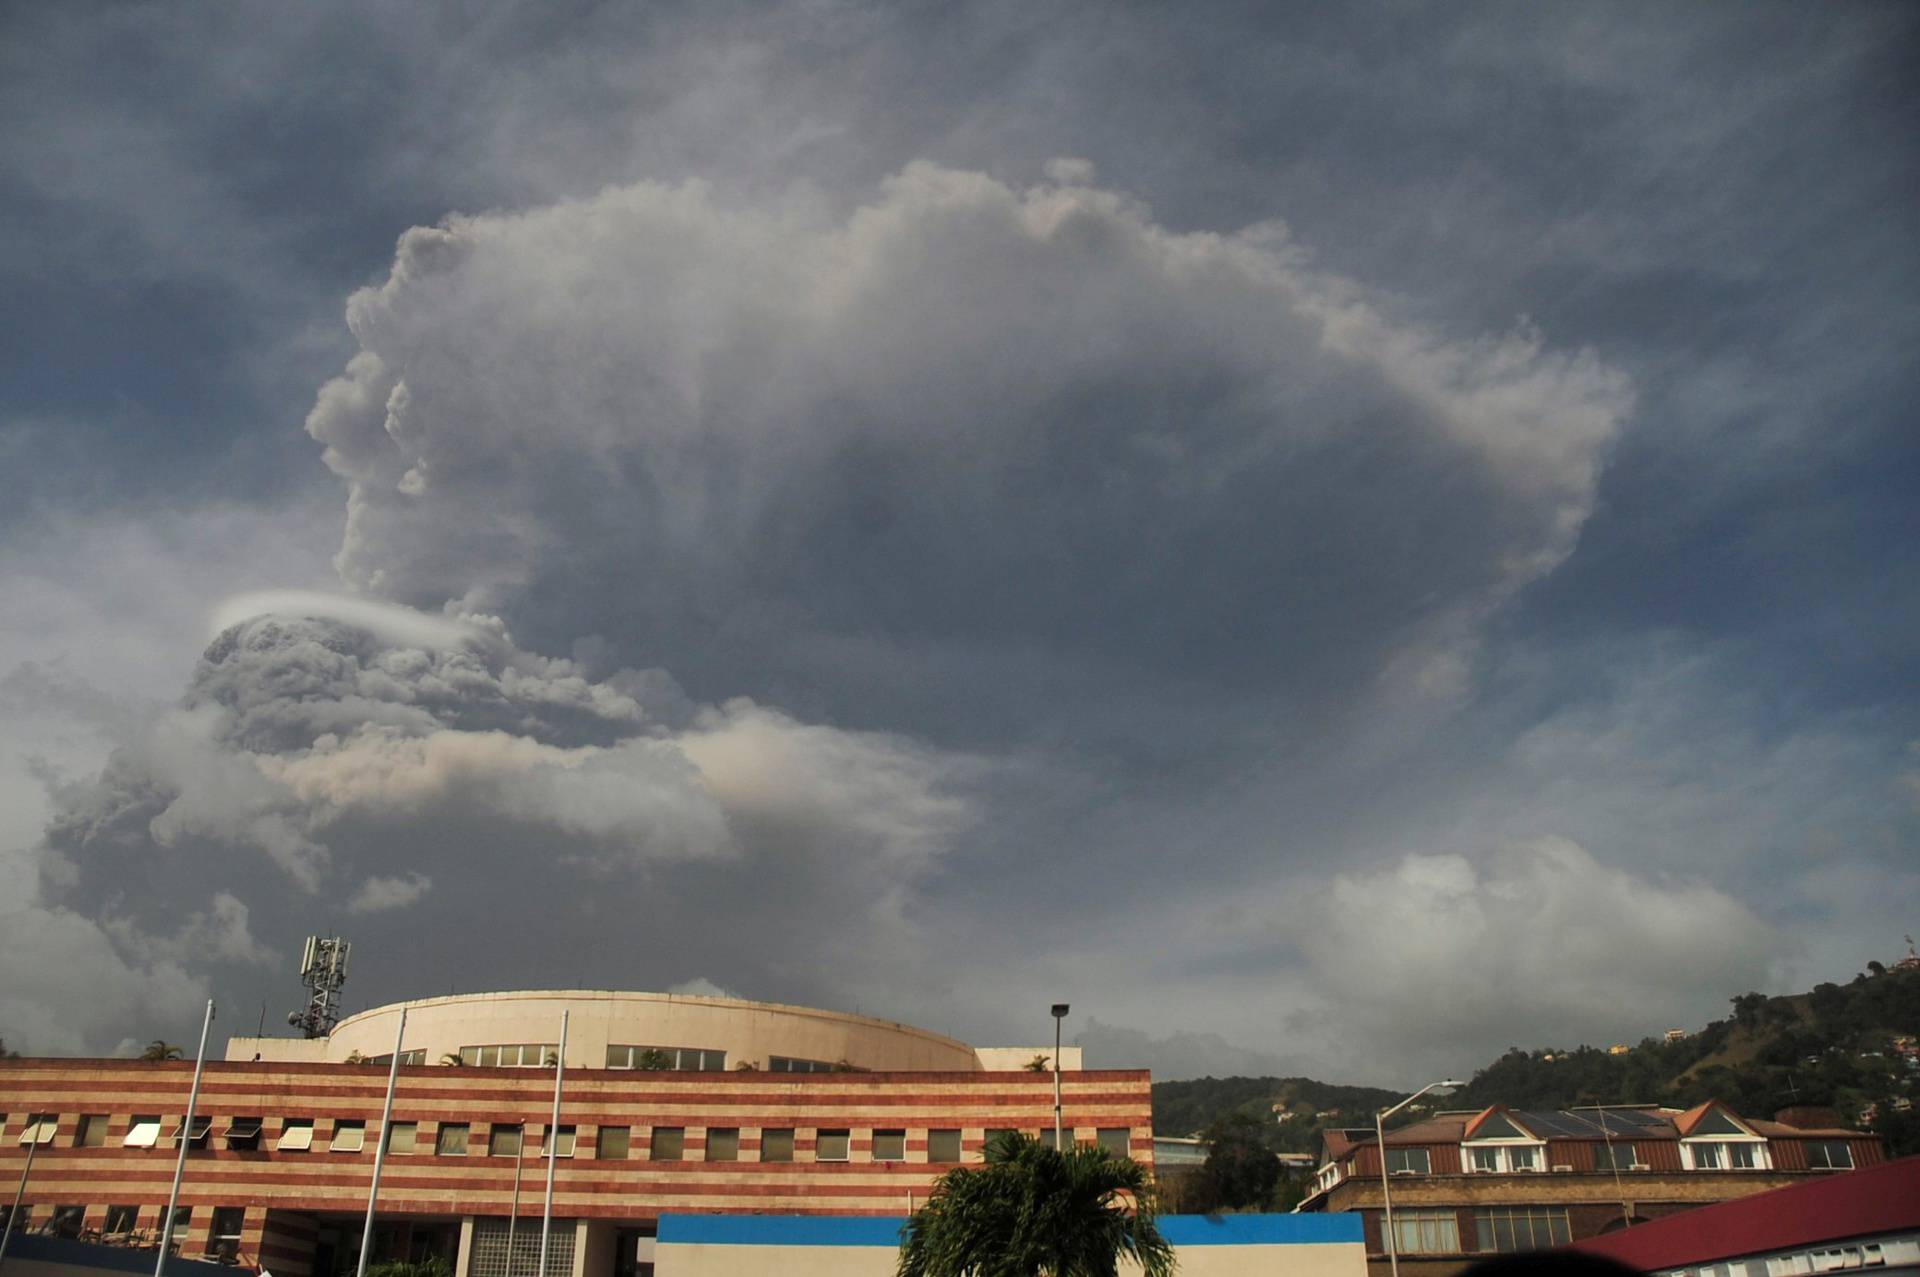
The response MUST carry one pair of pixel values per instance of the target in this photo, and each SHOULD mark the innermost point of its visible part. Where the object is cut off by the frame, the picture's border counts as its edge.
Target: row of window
(518, 1055)
(1499, 1229)
(1697, 1155)
(122, 1222)
(454, 1139)
(685, 1059)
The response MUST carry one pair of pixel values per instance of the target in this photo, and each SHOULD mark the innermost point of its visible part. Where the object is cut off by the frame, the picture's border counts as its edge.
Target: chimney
(1809, 1117)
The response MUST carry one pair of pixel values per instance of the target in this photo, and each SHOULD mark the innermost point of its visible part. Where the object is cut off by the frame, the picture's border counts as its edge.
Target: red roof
(1862, 1203)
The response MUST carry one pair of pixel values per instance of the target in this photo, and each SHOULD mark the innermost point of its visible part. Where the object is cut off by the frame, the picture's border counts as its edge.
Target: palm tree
(1035, 1212)
(452, 1059)
(158, 1049)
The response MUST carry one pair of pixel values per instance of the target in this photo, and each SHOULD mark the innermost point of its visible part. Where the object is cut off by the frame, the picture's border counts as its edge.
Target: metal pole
(1056, 1083)
(186, 1138)
(1386, 1194)
(553, 1132)
(519, 1160)
(14, 1214)
(380, 1149)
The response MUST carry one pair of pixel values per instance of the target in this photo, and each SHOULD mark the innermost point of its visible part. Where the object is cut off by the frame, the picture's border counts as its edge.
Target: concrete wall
(748, 1032)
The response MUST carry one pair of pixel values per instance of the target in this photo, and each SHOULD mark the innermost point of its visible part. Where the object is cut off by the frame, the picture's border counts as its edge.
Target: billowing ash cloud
(963, 432)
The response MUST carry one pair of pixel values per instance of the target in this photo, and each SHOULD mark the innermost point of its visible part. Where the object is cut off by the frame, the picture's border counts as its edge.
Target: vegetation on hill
(1832, 1047)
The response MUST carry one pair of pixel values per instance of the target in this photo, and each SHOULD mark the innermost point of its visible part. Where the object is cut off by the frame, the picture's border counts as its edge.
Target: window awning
(39, 1129)
(243, 1128)
(297, 1136)
(201, 1125)
(143, 1133)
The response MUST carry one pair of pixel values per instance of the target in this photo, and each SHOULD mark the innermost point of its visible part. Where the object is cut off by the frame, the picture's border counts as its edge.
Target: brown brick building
(1496, 1180)
(283, 1151)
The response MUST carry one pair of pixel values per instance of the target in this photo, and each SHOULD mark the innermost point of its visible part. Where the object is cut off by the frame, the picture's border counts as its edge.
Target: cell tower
(323, 969)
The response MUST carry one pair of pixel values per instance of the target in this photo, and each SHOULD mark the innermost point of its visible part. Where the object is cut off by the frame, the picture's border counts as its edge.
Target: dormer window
(1499, 1146)
(1718, 1143)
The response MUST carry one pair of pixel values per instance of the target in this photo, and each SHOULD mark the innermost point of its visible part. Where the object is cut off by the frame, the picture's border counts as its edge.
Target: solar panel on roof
(1558, 1125)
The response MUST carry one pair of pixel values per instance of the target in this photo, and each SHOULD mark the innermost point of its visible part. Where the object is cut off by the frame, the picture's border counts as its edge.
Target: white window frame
(565, 1140)
(1722, 1145)
(1441, 1220)
(296, 1136)
(1503, 1151)
(844, 1134)
(142, 1132)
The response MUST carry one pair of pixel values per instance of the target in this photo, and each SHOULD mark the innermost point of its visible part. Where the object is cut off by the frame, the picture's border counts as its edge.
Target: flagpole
(553, 1132)
(380, 1150)
(186, 1138)
(13, 1215)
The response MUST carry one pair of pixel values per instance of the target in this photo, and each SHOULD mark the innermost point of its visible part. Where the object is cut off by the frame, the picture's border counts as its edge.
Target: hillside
(1832, 1046)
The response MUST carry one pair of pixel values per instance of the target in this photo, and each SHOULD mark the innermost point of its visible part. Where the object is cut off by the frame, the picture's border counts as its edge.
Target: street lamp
(1059, 1014)
(1380, 1147)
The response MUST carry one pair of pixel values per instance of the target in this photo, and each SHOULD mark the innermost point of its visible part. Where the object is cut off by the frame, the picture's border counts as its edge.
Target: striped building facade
(280, 1174)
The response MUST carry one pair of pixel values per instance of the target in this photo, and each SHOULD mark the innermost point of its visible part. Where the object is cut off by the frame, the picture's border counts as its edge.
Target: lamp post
(1380, 1147)
(1059, 1014)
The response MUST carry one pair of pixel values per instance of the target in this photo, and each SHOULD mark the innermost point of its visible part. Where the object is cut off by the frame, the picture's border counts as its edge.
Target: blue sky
(1336, 541)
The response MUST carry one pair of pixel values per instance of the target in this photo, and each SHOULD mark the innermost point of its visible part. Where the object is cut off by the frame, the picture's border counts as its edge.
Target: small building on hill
(1465, 1184)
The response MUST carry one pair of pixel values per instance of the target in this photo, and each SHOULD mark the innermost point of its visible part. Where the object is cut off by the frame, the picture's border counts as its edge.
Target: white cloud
(377, 894)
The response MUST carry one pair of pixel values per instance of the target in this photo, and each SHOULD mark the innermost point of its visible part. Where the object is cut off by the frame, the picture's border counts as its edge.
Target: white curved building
(628, 1030)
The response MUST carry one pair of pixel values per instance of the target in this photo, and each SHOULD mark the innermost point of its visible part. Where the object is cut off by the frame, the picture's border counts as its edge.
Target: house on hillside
(1499, 1179)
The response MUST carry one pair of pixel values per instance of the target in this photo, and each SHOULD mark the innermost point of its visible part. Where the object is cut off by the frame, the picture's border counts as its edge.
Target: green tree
(1032, 1211)
(1241, 1170)
(654, 1060)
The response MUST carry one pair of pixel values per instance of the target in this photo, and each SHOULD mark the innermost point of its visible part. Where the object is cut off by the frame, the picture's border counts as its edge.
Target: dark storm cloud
(1120, 572)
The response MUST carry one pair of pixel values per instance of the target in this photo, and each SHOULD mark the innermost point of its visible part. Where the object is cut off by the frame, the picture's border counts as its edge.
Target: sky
(1335, 539)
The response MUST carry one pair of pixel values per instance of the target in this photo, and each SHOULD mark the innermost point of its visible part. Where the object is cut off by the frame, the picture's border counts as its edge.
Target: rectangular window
(503, 1140)
(995, 1132)
(67, 1221)
(1521, 1158)
(723, 1143)
(669, 1144)
(296, 1136)
(889, 1146)
(142, 1132)
(1829, 1155)
(403, 1137)
(1514, 1228)
(120, 1221)
(515, 1055)
(776, 1144)
(830, 1145)
(1616, 1157)
(1706, 1157)
(223, 1238)
(182, 1216)
(1066, 1138)
(563, 1137)
(791, 1064)
(197, 1136)
(1743, 1157)
(348, 1137)
(614, 1142)
(39, 1128)
(451, 1140)
(1426, 1232)
(92, 1132)
(1115, 1139)
(1485, 1159)
(944, 1146)
(1409, 1161)
(243, 1133)
(684, 1059)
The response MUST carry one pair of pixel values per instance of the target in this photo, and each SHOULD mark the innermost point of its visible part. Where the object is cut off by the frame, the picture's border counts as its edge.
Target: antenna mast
(323, 969)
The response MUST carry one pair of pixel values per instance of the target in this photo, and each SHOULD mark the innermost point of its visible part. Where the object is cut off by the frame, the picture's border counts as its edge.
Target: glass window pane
(889, 1146)
(92, 1132)
(944, 1146)
(563, 1137)
(613, 1144)
(1114, 1139)
(669, 1143)
(831, 1146)
(503, 1140)
(776, 1144)
(349, 1137)
(723, 1144)
(451, 1141)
